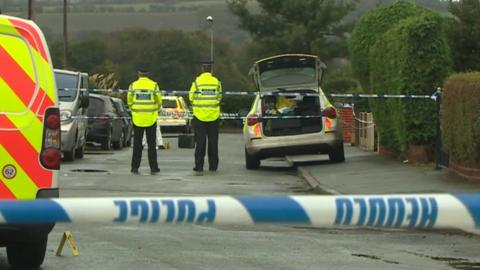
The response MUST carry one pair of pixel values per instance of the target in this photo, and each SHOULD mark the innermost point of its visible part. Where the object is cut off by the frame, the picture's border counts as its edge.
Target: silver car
(74, 102)
(291, 115)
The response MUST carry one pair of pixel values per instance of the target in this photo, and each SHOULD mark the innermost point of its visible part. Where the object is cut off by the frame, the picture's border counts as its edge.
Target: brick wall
(465, 172)
(348, 124)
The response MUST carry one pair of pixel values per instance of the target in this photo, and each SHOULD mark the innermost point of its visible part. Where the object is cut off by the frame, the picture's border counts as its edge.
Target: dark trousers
(206, 131)
(137, 146)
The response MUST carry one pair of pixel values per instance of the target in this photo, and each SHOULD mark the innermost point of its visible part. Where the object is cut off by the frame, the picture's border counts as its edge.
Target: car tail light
(252, 120)
(330, 112)
(50, 153)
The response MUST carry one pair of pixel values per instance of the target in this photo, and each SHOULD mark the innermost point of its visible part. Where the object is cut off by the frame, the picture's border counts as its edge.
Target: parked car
(104, 124)
(127, 125)
(73, 96)
(173, 115)
(317, 130)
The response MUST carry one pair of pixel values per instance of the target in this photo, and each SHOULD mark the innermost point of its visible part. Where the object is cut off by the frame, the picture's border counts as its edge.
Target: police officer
(145, 100)
(205, 96)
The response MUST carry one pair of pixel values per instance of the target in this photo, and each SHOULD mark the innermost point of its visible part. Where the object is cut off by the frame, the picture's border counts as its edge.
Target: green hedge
(411, 58)
(461, 118)
(342, 84)
(369, 28)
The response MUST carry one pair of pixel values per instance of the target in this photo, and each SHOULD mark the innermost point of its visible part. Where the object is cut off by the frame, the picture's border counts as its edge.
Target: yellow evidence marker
(67, 236)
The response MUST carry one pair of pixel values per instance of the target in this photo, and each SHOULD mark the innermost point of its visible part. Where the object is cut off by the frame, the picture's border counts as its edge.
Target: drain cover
(237, 184)
(89, 171)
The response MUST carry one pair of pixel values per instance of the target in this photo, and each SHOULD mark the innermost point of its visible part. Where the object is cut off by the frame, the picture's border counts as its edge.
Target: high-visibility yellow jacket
(205, 96)
(144, 100)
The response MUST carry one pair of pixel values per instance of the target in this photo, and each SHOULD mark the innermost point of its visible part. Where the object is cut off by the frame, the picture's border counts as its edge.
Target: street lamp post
(210, 22)
(65, 33)
(30, 9)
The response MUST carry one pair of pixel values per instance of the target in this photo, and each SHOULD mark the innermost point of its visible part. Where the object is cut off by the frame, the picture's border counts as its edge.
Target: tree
(465, 35)
(307, 26)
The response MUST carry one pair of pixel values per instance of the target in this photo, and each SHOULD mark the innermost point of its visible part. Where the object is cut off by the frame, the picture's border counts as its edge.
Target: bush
(411, 58)
(341, 84)
(460, 116)
(369, 28)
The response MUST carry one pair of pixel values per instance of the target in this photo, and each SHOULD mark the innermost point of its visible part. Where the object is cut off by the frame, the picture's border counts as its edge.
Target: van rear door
(27, 89)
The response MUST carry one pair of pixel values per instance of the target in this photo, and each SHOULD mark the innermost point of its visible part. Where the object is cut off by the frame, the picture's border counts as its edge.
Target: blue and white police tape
(275, 93)
(425, 211)
(223, 116)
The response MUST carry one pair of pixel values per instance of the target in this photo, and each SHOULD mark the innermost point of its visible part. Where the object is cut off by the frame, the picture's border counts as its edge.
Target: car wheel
(338, 153)
(119, 145)
(27, 255)
(129, 141)
(80, 152)
(69, 155)
(252, 162)
(107, 142)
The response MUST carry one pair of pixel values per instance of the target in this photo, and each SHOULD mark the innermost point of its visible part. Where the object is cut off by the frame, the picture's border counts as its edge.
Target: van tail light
(50, 154)
(330, 112)
(252, 120)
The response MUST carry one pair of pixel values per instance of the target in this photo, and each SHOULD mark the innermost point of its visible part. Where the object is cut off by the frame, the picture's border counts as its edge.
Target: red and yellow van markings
(5, 193)
(21, 185)
(13, 42)
(27, 122)
(16, 78)
(30, 34)
(23, 152)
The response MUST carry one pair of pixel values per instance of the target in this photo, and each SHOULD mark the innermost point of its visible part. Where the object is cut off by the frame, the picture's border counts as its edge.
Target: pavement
(369, 173)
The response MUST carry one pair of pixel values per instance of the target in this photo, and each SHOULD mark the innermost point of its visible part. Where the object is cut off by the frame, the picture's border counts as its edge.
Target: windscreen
(67, 86)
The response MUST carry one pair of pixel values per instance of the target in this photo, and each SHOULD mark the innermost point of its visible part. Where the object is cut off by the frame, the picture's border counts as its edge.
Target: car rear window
(16, 100)
(67, 86)
(288, 70)
(169, 104)
(96, 107)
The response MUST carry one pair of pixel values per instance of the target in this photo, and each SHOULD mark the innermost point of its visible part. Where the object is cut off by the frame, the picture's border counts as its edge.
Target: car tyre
(252, 162)
(119, 145)
(338, 153)
(69, 155)
(129, 142)
(27, 255)
(80, 152)
(107, 142)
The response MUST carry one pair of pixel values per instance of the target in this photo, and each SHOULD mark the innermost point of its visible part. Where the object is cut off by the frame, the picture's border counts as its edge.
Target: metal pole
(30, 9)
(438, 141)
(210, 21)
(65, 32)
(211, 43)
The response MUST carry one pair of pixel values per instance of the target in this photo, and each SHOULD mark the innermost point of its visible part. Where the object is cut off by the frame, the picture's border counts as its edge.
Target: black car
(105, 125)
(127, 125)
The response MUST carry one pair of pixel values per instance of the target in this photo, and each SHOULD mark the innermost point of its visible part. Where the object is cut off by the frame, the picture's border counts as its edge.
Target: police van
(29, 136)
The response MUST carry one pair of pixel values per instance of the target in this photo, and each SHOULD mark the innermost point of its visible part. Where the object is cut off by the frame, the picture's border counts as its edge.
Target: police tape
(434, 96)
(415, 211)
(227, 116)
